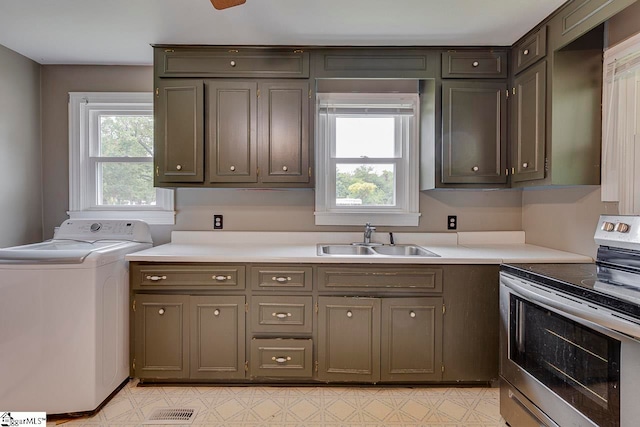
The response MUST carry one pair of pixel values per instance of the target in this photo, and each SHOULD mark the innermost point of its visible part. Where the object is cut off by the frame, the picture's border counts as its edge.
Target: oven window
(580, 365)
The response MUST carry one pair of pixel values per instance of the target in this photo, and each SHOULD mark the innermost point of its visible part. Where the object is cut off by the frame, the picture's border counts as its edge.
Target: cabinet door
(217, 337)
(179, 132)
(348, 339)
(284, 131)
(474, 129)
(231, 127)
(161, 336)
(528, 124)
(411, 345)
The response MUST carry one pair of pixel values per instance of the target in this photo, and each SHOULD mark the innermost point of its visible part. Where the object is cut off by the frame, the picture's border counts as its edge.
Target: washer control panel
(87, 229)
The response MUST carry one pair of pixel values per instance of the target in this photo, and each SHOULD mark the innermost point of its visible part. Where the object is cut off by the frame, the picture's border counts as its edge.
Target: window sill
(375, 218)
(153, 217)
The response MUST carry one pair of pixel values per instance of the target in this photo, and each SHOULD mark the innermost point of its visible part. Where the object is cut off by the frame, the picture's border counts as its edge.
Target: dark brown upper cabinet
(209, 61)
(474, 132)
(474, 64)
(179, 132)
(528, 51)
(528, 129)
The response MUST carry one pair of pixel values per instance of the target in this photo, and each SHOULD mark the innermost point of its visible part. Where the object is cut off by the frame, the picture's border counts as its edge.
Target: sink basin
(383, 250)
(344, 250)
(404, 250)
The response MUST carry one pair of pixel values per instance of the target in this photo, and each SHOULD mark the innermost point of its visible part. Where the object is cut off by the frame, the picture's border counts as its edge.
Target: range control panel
(87, 229)
(619, 231)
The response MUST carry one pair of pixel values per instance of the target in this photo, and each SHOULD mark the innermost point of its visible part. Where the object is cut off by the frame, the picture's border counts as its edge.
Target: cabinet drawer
(474, 64)
(187, 276)
(281, 277)
(281, 314)
(397, 279)
(281, 358)
(202, 62)
(529, 50)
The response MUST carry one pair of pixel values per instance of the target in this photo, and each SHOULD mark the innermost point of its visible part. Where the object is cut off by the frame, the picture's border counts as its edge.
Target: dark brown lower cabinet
(379, 339)
(411, 345)
(217, 337)
(189, 337)
(162, 336)
(348, 339)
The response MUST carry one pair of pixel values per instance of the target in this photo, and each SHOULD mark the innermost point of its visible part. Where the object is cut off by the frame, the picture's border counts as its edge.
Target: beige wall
(283, 210)
(20, 155)
(57, 82)
(624, 24)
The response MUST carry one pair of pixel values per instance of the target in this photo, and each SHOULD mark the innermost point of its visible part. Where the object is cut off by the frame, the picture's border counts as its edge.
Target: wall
(57, 82)
(624, 24)
(292, 210)
(20, 159)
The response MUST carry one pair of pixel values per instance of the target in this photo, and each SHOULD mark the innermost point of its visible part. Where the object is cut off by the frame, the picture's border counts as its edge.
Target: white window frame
(406, 210)
(84, 111)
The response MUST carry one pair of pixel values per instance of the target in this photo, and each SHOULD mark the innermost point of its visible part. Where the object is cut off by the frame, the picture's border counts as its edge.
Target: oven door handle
(595, 316)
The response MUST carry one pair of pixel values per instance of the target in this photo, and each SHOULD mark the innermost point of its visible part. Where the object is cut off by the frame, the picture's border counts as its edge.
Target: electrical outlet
(217, 222)
(452, 222)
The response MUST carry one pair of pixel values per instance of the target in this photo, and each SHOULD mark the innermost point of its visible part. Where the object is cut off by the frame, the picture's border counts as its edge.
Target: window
(111, 159)
(367, 159)
(621, 126)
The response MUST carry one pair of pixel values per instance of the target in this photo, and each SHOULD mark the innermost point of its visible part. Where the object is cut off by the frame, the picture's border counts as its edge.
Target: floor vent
(170, 416)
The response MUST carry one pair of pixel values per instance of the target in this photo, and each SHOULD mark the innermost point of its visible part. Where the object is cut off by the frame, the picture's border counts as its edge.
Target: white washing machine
(64, 317)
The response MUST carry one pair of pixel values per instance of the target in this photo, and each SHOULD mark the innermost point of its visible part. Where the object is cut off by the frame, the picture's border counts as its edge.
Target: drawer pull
(475, 168)
(475, 64)
(281, 359)
(221, 278)
(161, 311)
(412, 314)
(281, 315)
(526, 52)
(525, 165)
(156, 278)
(232, 168)
(284, 168)
(281, 279)
(179, 167)
(232, 63)
(216, 312)
(349, 314)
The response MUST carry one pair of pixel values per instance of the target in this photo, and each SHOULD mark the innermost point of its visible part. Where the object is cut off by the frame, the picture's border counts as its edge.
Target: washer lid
(54, 252)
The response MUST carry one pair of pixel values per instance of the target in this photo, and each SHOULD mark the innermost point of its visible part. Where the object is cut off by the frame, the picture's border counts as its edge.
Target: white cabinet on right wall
(621, 126)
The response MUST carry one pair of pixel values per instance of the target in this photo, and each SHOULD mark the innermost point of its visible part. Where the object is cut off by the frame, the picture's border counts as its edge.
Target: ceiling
(121, 31)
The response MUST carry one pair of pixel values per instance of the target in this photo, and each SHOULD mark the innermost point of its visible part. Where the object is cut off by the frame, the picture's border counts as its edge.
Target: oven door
(555, 351)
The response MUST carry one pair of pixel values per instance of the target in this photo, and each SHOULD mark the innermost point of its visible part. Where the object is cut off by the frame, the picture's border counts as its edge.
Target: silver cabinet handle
(281, 279)
(232, 63)
(525, 165)
(349, 314)
(475, 168)
(161, 311)
(526, 52)
(221, 278)
(475, 64)
(281, 359)
(412, 314)
(284, 168)
(232, 168)
(216, 312)
(179, 167)
(281, 315)
(156, 278)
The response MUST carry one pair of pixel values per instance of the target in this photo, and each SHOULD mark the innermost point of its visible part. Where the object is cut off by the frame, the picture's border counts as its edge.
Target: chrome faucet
(368, 231)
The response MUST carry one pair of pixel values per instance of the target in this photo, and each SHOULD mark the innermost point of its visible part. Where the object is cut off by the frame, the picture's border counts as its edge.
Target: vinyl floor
(258, 406)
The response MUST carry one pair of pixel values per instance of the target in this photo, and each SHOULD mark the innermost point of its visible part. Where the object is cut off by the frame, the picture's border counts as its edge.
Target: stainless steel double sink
(370, 250)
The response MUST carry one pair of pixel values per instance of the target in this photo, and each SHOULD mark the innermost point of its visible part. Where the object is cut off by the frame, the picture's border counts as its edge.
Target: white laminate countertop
(266, 247)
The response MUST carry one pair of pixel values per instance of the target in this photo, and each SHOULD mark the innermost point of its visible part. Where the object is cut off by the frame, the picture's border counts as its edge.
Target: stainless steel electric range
(570, 336)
